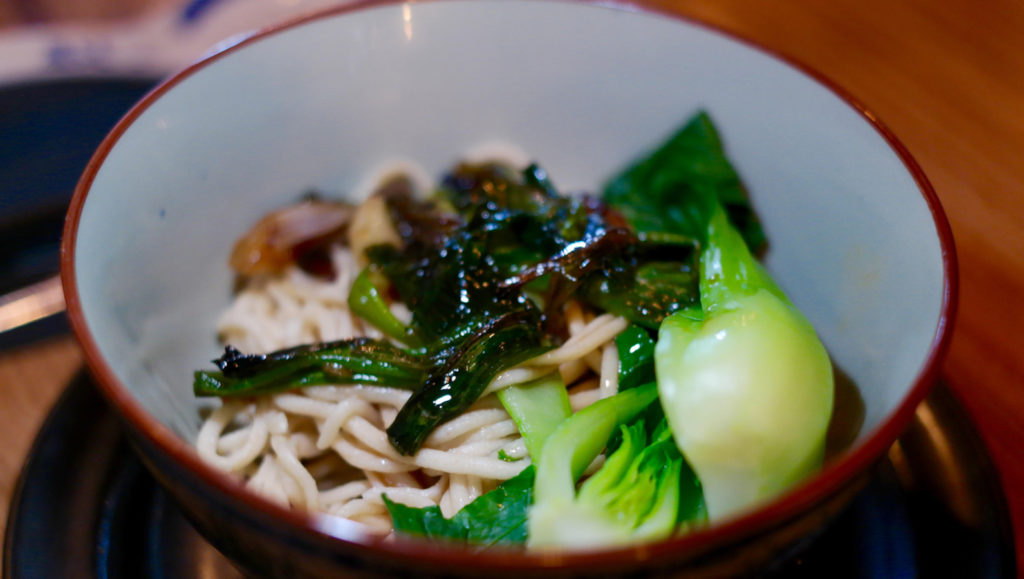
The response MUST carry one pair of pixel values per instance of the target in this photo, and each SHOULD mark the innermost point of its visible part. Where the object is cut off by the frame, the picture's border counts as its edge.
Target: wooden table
(946, 77)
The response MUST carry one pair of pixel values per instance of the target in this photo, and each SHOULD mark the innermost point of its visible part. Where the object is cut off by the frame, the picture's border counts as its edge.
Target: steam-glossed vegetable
(744, 381)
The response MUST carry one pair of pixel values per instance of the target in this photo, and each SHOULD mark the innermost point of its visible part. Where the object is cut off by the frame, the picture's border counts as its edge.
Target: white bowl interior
(582, 89)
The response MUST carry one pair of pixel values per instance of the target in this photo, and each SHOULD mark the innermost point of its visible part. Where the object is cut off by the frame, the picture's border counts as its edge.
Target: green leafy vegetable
(745, 382)
(464, 281)
(458, 381)
(634, 496)
(637, 489)
(505, 456)
(636, 357)
(358, 360)
(636, 367)
(365, 300)
(642, 292)
(584, 246)
(666, 190)
(537, 408)
(471, 325)
(497, 517)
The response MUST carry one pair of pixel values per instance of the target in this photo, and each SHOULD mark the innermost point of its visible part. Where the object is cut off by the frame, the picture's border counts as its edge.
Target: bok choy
(745, 382)
(643, 490)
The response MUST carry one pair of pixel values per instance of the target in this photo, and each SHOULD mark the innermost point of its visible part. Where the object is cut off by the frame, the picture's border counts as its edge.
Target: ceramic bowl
(857, 235)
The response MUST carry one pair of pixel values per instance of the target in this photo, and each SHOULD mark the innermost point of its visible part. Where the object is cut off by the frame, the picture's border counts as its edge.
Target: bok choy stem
(745, 382)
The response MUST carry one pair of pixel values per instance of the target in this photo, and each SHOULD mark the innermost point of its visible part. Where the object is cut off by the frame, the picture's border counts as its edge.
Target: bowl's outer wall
(259, 545)
(857, 240)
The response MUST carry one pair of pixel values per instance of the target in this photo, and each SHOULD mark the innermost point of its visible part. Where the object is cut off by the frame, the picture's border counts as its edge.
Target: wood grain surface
(946, 77)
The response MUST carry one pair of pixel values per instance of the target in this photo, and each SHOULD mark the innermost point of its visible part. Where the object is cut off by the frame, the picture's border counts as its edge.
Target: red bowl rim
(835, 474)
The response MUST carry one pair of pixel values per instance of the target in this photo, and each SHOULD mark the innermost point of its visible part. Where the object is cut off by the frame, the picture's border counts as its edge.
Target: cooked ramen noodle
(323, 448)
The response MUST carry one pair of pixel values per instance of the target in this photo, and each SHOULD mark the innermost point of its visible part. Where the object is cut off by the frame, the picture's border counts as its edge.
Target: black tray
(85, 507)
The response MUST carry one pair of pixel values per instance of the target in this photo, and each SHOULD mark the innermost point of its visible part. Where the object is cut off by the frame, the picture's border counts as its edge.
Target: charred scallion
(359, 361)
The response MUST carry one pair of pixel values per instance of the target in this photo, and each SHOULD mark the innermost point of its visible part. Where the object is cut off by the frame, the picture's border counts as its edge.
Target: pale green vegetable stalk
(745, 382)
(633, 497)
(537, 408)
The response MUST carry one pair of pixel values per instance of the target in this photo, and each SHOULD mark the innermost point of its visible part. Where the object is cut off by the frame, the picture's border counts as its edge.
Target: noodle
(324, 448)
(609, 370)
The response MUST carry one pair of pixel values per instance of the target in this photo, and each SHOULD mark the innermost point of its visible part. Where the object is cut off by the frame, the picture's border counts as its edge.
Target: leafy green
(636, 367)
(537, 408)
(638, 487)
(745, 383)
(580, 243)
(459, 378)
(636, 357)
(669, 189)
(357, 360)
(635, 495)
(365, 300)
(464, 277)
(642, 291)
(505, 456)
(497, 517)
(471, 325)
